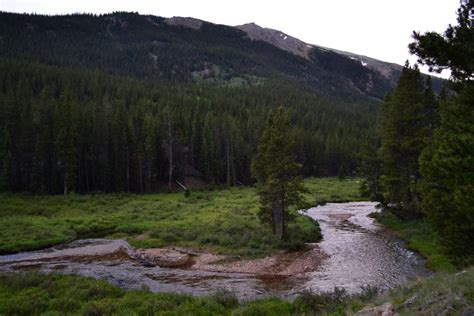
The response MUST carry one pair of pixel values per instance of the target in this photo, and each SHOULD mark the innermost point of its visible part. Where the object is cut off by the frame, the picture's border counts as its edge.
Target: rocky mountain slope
(298, 47)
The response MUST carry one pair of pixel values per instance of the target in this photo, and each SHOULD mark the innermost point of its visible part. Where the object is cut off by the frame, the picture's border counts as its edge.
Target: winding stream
(359, 253)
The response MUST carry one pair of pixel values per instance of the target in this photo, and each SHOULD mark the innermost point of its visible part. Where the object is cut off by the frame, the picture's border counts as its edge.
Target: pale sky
(376, 28)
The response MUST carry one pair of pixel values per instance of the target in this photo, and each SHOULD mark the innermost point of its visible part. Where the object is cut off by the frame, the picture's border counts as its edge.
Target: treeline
(421, 165)
(68, 130)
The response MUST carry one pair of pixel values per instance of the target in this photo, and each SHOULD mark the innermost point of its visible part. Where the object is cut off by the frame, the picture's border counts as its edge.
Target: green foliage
(325, 190)
(451, 50)
(447, 164)
(104, 133)
(370, 167)
(148, 47)
(447, 167)
(278, 181)
(405, 127)
(32, 293)
(449, 293)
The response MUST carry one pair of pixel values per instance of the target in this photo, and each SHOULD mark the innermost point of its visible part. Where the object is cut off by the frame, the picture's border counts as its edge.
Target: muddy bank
(282, 264)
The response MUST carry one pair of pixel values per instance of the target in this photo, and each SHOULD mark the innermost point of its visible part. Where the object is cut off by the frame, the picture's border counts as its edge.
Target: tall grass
(223, 220)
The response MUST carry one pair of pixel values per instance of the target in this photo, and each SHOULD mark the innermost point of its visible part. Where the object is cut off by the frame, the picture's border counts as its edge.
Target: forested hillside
(149, 47)
(125, 102)
(88, 131)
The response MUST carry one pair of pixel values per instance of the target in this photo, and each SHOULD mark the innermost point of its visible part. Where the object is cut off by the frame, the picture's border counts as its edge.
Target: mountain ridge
(181, 50)
(298, 47)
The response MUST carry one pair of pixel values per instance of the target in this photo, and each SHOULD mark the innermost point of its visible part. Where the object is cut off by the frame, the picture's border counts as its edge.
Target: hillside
(182, 50)
(330, 57)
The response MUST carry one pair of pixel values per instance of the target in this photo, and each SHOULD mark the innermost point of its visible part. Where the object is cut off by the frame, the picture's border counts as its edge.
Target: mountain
(187, 50)
(390, 71)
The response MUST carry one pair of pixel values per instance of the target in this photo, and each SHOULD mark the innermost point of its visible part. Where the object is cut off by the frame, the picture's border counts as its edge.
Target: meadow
(222, 220)
(31, 293)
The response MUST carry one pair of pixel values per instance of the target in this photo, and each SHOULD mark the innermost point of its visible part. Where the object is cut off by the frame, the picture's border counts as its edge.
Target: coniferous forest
(140, 117)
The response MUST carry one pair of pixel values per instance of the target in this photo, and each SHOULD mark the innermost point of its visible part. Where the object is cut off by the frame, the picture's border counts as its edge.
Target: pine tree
(277, 173)
(447, 165)
(404, 134)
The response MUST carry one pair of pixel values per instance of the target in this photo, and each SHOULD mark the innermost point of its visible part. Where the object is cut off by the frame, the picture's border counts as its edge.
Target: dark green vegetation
(129, 103)
(87, 132)
(222, 220)
(33, 293)
(148, 47)
(442, 294)
(279, 184)
(420, 237)
(423, 170)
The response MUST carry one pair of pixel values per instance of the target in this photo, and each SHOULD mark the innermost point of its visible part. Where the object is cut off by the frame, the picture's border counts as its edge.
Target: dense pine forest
(85, 108)
(85, 131)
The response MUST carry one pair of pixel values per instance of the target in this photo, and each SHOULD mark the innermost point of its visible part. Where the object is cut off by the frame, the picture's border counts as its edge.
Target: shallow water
(360, 253)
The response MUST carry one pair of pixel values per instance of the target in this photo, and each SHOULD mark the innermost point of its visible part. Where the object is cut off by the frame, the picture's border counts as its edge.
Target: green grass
(325, 190)
(224, 221)
(443, 294)
(419, 237)
(31, 293)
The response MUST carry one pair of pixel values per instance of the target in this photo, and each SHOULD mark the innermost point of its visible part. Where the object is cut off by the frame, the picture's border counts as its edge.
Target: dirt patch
(341, 216)
(282, 264)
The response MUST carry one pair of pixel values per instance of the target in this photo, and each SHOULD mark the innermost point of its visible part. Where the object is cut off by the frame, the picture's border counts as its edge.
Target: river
(358, 253)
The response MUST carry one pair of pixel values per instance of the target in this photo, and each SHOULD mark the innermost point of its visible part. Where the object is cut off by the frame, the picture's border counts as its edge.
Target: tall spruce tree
(447, 165)
(277, 173)
(405, 130)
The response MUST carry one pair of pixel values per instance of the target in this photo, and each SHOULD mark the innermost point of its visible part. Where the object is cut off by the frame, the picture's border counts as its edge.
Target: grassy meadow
(223, 220)
(31, 293)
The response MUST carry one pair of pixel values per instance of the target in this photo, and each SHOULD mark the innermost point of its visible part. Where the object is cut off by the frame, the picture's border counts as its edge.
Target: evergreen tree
(447, 165)
(404, 133)
(274, 168)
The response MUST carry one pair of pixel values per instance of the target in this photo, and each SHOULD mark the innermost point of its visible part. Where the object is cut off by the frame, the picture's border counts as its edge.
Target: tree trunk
(148, 169)
(128, 169)
(228, 163)
(140, 172)
(278, 220)
(170, 157)
(65, 183)
(87, 177)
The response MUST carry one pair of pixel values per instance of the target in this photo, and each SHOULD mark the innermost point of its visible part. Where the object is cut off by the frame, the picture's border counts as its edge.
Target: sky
(376, 28)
